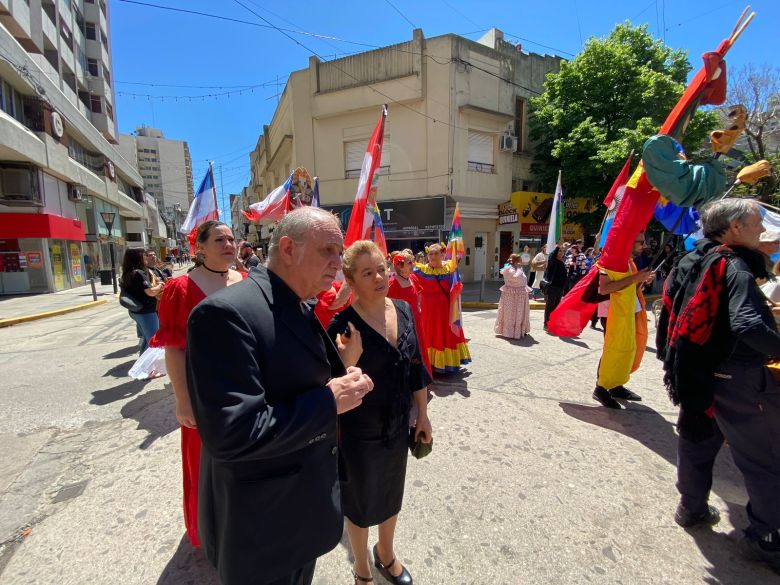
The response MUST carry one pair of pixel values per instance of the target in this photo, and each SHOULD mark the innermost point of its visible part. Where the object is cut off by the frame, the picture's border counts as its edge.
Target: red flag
(365, 217)
(622, 179)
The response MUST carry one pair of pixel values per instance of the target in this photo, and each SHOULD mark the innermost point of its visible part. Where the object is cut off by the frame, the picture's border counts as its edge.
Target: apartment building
(165, 166)
(61, 174)
(456, 132)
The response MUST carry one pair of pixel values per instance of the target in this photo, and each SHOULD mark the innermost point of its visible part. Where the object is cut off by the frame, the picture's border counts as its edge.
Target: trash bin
(105, 276)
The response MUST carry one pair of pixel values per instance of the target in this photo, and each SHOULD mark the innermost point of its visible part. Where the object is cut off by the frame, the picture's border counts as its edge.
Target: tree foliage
(608, 100)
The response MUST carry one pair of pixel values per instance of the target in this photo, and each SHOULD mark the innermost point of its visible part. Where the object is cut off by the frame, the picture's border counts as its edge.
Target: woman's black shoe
(404, 578)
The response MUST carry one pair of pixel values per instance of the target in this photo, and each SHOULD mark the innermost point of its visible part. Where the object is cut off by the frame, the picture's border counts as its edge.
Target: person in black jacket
(557, 277)
(139, 283)
(266, 384)
(715, 336)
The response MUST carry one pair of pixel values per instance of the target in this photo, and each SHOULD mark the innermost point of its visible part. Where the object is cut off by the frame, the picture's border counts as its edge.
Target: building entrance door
(480, 254)
(504, 247)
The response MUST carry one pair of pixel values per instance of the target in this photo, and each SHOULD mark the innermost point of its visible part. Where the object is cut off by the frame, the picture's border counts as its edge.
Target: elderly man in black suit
(266, 385)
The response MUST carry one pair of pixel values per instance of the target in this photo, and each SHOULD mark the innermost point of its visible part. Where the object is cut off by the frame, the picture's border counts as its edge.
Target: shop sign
(406, 218)
(534, 211)
(34, 260)
(59, 268)
(75, 261)
(507, 213)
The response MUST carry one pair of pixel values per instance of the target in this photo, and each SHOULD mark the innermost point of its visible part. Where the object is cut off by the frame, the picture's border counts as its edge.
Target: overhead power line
(401, 13)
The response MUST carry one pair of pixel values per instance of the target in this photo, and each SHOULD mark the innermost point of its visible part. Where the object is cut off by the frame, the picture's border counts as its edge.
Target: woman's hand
(184, 414)
(350, 346)
(423, 429)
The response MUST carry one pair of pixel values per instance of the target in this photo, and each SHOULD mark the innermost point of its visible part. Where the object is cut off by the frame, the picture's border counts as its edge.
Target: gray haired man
(715, 336)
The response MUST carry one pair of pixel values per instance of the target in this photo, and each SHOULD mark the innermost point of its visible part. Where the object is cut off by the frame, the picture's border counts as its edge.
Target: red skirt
(190, 463)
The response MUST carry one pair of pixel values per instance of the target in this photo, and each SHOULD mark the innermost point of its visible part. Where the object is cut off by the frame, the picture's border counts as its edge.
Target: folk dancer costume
(447, 350)
(411, 294)
(661, 173)
(513, 318)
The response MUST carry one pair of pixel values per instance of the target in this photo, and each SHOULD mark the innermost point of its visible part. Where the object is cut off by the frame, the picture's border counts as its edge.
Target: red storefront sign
(40, 225)
(534, 229)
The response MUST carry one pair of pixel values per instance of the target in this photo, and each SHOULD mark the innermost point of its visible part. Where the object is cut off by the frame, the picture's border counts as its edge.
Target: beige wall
(441, 98)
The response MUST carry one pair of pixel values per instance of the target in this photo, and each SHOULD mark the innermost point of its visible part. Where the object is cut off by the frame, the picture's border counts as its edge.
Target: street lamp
(108, 219)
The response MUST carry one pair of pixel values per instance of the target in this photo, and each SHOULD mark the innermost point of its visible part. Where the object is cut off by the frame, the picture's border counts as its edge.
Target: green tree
(608, 100)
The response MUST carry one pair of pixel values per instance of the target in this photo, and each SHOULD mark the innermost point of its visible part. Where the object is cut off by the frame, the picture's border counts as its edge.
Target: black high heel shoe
(404, 578)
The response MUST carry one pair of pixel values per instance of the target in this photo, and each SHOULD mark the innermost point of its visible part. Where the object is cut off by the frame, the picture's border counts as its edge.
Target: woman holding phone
(377, 335)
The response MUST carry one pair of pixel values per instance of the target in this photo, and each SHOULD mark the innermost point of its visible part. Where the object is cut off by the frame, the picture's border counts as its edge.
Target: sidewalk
(23, 308)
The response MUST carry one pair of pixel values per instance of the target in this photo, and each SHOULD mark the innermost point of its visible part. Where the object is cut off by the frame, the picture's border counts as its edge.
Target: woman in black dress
(377, 335)
(557, 277)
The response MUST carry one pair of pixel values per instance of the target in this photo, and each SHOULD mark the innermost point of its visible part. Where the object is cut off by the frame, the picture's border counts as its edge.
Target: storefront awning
(41, 225)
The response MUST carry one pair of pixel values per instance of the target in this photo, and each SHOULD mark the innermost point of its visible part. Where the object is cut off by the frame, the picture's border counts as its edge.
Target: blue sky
(154, 50)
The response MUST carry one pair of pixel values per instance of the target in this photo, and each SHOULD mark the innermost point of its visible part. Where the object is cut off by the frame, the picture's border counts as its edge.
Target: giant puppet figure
(660, 173)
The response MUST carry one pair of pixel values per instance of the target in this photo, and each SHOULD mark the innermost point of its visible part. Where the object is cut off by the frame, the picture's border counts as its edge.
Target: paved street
(529, 482)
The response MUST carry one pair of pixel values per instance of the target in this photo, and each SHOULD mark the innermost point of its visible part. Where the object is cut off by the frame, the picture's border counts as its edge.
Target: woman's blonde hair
(513, 258)
(356, 250)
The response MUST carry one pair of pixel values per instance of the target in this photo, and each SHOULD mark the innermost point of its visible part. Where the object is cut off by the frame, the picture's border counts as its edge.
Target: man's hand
(184, 414)
(644, 276)
(349, 390)
(423, 429)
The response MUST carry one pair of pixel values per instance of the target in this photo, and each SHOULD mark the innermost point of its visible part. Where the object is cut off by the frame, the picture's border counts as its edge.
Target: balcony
(49, 29)
(98, 86)
(67, 56)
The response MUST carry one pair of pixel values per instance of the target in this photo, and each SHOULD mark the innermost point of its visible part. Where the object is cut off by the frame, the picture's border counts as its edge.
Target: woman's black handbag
(417, 448)
(544, 283)
(129, 302)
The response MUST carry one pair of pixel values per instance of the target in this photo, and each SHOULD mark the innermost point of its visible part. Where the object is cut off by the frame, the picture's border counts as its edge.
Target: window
(90, 31)
(20, 185)
(11, 101)
(95, 105)
(92, 160)
(109, 111)
(355, 151)
(107, 76)
(520, 123)
(92, 67)
(104, 40)
(66, 35)
(480, 155)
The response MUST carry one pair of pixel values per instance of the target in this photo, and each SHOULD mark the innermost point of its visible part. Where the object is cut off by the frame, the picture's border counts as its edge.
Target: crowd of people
(307, 380)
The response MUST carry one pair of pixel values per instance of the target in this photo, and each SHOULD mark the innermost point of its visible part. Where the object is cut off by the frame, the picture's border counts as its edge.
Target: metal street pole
(113, 265)
(108, 219)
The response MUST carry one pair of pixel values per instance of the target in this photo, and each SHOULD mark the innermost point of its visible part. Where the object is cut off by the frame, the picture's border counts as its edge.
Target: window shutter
(355, 151)
(480, 148)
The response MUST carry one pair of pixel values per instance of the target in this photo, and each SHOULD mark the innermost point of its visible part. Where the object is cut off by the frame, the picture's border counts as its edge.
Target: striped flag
(275, 205)
(455, 251)
(203, 207)
(613, 199)
(556, 217)
(365, 223)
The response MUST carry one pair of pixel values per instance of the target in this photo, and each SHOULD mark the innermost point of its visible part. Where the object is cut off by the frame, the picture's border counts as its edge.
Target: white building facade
(61, 173)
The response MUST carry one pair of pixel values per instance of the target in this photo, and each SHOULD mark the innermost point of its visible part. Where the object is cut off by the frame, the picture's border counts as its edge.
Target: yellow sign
(75, 261)
(534, 209)
(59, 268)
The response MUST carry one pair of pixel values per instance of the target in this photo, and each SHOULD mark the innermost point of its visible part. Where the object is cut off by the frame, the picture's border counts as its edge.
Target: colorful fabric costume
(513, 319)
(411, 294)
(447, 350)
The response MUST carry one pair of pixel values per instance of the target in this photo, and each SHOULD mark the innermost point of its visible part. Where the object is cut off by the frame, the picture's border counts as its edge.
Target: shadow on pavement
(155, 413)
(122, 353)
(124, 390)
(526, 341)
(573, 341)
(449, 384)
(652, 430)
(120, 370)
(188, 567)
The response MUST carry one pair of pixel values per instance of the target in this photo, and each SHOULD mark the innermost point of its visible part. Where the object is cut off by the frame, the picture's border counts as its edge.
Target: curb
(54, 313)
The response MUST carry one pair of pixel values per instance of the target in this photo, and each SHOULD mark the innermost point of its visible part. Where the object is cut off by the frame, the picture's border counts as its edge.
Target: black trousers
(747, 415)
(301, 576)
(552, 298)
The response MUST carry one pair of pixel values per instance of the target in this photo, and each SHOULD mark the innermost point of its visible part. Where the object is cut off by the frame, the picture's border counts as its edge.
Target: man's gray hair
(297, 224)
(716, 217)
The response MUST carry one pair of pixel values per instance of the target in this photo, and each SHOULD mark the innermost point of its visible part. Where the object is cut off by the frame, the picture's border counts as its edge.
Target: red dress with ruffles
(179, 297)
(411, 294)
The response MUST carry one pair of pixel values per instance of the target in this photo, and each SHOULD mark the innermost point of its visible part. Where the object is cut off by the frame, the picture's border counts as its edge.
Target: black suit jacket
(269, 499)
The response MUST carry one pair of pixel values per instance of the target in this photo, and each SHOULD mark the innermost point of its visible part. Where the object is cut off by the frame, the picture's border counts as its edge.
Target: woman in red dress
(405, 286)
(216, 251)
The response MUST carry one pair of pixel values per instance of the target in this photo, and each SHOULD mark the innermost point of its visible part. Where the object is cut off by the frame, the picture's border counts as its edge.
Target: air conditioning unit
(507, 143)
(74, 193)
